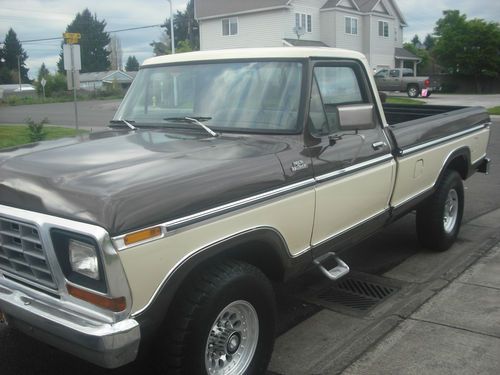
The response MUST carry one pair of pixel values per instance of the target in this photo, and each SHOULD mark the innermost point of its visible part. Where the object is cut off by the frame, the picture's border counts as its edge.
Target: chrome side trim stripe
(407, 151)
(354, 168)
(174, 224)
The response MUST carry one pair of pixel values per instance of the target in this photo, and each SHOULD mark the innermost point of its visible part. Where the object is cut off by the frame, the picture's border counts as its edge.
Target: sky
(36, 19)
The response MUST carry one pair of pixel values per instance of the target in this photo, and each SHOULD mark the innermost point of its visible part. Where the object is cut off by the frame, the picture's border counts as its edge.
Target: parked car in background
(403, 80)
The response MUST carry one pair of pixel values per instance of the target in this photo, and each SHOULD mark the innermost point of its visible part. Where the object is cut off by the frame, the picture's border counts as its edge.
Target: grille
(22, 254)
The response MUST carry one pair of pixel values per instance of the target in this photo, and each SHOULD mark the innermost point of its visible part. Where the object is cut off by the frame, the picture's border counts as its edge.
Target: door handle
(378, 145)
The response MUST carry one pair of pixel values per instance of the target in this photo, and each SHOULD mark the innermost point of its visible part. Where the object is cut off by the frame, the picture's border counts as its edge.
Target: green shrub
(35, 129)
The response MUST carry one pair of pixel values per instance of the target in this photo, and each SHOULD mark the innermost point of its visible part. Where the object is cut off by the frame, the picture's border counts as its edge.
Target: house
(373, 27)
(26, 90)
(98, 80)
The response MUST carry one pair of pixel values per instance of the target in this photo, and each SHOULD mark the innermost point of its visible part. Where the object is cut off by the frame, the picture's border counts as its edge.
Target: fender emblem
(298, 165)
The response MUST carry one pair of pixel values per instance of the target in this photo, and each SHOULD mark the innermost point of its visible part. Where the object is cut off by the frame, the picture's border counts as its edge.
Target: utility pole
(172, 27)
(19, 72)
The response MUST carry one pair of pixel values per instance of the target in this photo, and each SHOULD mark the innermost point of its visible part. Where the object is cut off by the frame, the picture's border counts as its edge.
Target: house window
(303, 21)
(230, 26)
(383, 29)
(351, 25)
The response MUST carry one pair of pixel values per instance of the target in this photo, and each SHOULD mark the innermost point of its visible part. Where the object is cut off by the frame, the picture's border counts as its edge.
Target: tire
(440, 216)
(412, 91)
(226, 305)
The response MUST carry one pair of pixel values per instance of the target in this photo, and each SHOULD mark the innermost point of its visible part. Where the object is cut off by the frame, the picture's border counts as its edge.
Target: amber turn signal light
(113, 304)
(142, 235)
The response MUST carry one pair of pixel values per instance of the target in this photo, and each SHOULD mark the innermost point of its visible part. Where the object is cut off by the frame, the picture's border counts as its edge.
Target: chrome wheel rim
(232, 339)
(450, 213)
(413, 91)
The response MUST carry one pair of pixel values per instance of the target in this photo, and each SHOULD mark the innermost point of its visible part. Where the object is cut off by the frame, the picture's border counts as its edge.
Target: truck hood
(124, 180)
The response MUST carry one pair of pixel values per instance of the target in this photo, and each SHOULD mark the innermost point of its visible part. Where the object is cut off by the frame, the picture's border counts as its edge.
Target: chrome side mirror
(356, 117)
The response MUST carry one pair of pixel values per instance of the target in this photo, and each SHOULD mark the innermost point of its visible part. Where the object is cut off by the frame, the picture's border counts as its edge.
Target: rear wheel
(222, 323)
(412, 91)
(439, 218)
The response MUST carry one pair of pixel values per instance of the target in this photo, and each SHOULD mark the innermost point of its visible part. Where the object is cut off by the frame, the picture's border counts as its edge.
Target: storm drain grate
(356, 294)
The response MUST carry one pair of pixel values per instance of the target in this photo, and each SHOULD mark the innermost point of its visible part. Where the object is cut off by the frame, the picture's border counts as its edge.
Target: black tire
(434, 231)
(412, 91)
(183, 344)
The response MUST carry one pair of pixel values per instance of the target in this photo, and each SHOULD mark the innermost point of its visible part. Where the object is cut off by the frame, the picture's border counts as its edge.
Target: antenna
(299, 31)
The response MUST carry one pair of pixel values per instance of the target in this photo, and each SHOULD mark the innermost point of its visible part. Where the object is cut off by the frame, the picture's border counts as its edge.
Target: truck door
(388, 80)
(354, 169)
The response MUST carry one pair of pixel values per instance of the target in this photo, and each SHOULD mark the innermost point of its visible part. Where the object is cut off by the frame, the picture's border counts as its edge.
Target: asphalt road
(20, 354)
(92, 114)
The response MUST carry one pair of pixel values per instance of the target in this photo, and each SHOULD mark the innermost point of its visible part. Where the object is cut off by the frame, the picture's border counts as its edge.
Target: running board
(340, 270)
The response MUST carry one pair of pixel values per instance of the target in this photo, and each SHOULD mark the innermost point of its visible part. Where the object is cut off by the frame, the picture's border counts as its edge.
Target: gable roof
(367, 6)
(107, 76)
(404, 54)
(213, 8)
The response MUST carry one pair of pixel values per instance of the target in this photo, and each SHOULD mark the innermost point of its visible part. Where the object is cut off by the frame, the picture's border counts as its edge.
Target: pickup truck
(221, 173)
(403, 80)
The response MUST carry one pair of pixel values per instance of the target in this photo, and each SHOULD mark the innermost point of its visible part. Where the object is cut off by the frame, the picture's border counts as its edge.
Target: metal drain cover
(355, 293)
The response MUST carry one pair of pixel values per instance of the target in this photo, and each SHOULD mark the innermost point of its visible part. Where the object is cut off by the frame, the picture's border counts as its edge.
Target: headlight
(80, 259)
(83, 259)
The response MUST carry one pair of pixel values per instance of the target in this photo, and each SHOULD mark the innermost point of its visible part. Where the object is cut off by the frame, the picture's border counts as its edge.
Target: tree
(132, 64)
(43, 72)
(93, 42)
(429, 42)
(469, 48)
(11, 50)
(55, 85)
(115, 53)
(424, 66)
(186, 33)
(416, 41)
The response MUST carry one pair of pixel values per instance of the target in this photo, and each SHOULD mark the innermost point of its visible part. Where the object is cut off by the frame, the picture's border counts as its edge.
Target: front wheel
(223, 323)
(440, 216)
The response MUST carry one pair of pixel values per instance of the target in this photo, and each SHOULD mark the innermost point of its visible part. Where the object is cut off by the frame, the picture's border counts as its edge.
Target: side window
(382, 73)
(317, 117)
(337, 85)
(394, 73)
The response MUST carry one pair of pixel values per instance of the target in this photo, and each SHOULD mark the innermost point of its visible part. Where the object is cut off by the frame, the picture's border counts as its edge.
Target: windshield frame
(302, 95)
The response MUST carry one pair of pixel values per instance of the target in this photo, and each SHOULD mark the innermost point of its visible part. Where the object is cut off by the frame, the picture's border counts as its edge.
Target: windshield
(256, 96)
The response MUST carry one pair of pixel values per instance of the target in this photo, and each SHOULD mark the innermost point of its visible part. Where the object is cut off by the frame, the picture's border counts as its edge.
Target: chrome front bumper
(104, 344)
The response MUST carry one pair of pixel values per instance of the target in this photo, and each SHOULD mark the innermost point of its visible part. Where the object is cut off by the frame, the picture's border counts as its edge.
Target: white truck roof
(255, 53)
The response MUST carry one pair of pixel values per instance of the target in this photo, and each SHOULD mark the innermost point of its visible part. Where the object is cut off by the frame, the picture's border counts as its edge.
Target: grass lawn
(14, 135)
(392, 100)
(494, 110)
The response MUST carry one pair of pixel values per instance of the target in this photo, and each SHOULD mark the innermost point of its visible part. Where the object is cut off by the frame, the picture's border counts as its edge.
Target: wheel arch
(459, 161)
(264, 248)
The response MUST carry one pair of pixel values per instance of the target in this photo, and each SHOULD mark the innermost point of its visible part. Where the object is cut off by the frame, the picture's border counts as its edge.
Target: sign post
(72, 65)
(43, 82)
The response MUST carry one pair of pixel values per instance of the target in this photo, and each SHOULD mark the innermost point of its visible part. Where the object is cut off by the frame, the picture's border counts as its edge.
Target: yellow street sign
(72, 38)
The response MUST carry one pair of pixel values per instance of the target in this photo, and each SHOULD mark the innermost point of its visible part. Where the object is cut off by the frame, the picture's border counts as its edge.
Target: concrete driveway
(487, 101)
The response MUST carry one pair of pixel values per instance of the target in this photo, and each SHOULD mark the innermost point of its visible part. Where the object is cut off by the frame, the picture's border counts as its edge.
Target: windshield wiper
(194, 120)
(126, 122)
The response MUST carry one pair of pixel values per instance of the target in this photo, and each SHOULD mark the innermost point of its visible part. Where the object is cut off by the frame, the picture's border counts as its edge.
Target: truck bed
(414, 125)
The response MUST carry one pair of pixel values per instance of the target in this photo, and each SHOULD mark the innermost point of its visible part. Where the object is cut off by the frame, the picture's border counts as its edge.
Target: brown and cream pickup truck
(222, 172)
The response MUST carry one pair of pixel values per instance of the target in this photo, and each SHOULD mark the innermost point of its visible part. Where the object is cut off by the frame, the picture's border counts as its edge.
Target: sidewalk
(445, 320)
(456, 332)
